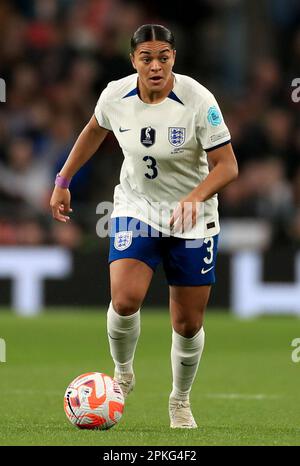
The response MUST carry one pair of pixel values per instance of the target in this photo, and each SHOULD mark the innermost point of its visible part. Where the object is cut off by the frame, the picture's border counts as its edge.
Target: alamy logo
(2, 90)
(296, 91)
(2, 350)
(296, 352)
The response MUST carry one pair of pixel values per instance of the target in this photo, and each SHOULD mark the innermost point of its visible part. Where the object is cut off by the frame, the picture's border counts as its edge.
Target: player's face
(153, 62)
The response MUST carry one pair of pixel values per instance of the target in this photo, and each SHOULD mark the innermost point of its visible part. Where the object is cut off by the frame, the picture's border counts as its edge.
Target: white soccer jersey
(164, 147)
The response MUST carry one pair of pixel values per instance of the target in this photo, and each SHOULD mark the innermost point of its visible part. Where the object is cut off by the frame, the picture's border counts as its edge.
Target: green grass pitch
(246, 391)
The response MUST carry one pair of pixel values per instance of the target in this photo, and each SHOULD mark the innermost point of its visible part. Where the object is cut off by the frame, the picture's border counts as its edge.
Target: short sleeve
(101, 111)
(212, 131)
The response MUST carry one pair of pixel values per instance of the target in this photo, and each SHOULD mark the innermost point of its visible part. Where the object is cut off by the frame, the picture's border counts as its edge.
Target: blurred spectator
(69, 235)
(24, 179)
(30, 233)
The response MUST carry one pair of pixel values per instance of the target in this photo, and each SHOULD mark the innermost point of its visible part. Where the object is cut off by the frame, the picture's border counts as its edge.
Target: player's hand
(60, 204)
(185, 215)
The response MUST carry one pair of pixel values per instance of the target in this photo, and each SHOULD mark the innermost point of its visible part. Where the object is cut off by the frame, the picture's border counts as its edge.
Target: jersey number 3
(152, 166)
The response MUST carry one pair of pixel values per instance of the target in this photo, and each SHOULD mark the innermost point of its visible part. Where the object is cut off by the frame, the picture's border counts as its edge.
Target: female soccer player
(165, 207)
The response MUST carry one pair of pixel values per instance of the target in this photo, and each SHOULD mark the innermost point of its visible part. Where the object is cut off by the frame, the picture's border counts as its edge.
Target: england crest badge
(176, 136)
(123, 240)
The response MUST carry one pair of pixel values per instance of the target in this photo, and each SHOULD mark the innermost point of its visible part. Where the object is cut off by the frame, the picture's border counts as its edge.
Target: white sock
(185, 358)
(123, 333)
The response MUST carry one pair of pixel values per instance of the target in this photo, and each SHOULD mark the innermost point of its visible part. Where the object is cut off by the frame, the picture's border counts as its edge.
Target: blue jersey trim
(131, 93)
(173, 96)
(217, 147)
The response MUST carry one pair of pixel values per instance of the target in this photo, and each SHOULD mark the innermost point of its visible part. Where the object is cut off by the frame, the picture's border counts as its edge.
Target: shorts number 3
(210, 250)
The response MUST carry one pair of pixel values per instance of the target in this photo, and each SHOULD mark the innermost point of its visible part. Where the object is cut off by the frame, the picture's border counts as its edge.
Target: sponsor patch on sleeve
(214, 116)
(217, 137)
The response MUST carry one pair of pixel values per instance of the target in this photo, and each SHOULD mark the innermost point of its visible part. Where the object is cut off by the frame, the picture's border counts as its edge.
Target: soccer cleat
(126, 382)
(181, 415)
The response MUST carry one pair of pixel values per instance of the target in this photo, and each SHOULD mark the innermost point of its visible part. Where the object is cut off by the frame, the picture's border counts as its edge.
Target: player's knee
(126, 306)
(188, 329)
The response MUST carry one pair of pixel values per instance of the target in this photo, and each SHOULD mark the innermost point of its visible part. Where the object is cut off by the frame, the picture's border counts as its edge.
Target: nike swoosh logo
(189, 365)
(207, 270)
(123, 130)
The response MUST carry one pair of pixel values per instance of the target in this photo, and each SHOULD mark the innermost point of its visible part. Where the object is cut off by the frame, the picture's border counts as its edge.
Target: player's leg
(130, 280)
(133, 257)
(187, 306)
(189, 268)
(129, 283)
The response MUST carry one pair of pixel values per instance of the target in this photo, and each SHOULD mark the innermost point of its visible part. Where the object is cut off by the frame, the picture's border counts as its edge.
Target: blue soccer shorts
(186, 262)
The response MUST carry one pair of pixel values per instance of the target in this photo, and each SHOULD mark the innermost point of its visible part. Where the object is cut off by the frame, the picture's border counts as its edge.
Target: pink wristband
(62, 181)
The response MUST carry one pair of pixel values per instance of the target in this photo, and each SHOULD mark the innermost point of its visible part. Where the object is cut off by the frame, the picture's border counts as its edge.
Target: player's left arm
(224, 171)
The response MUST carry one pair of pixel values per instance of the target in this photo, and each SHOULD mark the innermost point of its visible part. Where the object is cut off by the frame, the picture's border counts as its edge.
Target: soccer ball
(94, 401)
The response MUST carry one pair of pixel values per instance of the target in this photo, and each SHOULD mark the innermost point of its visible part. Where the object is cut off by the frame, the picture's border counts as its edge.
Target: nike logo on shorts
(189, 365)
(203, 271)
(123, 130)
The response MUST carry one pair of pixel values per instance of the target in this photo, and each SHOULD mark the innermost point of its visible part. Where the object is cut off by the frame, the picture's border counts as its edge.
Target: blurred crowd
(56, 56)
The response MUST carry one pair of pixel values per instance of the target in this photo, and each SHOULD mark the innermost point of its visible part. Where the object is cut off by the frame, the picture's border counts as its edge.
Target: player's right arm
(84, 148)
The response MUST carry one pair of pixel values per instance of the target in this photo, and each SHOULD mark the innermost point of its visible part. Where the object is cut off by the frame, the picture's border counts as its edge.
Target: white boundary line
(242, 396)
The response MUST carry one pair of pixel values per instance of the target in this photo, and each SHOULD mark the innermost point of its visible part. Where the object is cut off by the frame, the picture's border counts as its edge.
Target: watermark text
(2, 350)
(2, 90)
(296, 91)
(169, 220)
(296, 352)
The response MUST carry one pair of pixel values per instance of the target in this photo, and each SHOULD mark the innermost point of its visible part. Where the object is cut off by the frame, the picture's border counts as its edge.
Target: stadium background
(56, 56)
